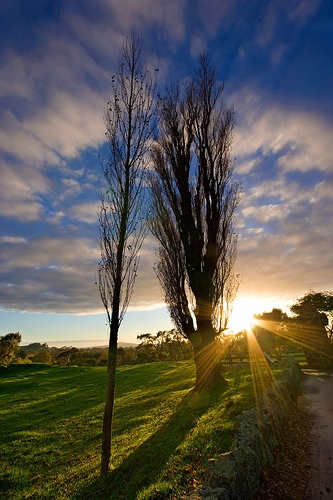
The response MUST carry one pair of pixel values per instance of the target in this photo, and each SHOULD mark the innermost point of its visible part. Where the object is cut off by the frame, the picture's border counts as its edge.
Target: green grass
(164, 434)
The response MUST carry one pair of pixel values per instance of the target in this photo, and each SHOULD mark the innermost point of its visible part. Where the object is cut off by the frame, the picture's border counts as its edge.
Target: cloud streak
(53, 91)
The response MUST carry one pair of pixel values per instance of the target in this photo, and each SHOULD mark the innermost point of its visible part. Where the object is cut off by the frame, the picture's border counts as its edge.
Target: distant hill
(120, 344)
(127, 344)
(38, 347)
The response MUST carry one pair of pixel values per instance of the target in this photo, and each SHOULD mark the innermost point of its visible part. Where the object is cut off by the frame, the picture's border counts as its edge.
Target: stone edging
(235, 475)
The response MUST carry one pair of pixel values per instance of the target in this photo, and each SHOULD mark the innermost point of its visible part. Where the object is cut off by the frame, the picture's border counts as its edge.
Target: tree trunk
(109, 405)
(208, 373)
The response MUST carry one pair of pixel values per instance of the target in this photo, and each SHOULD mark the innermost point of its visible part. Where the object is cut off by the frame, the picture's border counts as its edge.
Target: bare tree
(129, 126)
(194, 201)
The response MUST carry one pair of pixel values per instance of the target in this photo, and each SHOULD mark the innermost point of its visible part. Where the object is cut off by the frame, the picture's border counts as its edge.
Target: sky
(56, 62)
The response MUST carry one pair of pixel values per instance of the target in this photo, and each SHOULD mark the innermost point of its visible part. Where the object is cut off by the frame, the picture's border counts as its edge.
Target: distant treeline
(310, 329)
(163, 346)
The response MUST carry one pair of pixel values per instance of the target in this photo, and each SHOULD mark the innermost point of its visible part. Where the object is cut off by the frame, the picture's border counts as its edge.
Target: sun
(242, 315)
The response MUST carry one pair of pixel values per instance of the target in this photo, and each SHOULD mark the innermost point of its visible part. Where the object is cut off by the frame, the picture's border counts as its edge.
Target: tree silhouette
(129, 126)
(194, 201)
(9, 345)
(271, 330)
(312, 326)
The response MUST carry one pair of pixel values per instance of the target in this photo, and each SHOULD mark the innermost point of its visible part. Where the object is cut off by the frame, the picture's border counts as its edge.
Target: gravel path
(318, 397)
(303, 466)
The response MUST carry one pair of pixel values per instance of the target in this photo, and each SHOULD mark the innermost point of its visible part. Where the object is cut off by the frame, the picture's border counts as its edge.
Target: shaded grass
(163, 436)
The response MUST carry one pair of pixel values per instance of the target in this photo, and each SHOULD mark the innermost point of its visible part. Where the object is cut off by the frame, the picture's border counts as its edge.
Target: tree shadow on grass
(143, 467)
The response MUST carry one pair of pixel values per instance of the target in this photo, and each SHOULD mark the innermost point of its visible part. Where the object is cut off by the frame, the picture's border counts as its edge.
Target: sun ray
(264, 384)
(262, 376)
(305, 336)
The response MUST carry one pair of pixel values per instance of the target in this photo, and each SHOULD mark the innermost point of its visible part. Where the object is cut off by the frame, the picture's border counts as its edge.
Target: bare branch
(129, 121)
(194, 202)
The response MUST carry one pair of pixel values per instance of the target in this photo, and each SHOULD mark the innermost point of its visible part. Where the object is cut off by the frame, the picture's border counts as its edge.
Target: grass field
(51, 419)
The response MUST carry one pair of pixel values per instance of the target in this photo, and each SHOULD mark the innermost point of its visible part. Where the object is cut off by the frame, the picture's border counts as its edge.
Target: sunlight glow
(311, 338)
(243, 311)
(306, 336)
(262, 376)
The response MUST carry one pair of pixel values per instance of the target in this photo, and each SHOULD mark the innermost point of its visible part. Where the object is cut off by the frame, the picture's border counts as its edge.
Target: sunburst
(242, 316)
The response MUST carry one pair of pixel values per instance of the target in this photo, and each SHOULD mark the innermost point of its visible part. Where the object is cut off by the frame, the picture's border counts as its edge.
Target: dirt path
(318, 399)
(303, 460)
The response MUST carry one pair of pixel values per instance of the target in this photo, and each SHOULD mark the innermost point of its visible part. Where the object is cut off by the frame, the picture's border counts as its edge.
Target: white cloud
(70, 187)
(55, 96)
(301, 139)
(116, 19)
(287, 251)
(19, 186)
(60, 95)
(245, 166)
(323, 191)
(70, 123)
(267, 27)
(198, 44)
(15, 77)
(267, 33)
(214, 12)
(266, 213)
(170, 15)
(289, 262)
(278, 52)
(85, 212)
(46, 252)
(12, 239)
(103, 35)
(16, 139)
(301, 11)
(57, 274)
(284, 264)
(279, 188)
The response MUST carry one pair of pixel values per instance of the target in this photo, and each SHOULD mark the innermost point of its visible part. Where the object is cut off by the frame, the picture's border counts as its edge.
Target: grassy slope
(50, 430)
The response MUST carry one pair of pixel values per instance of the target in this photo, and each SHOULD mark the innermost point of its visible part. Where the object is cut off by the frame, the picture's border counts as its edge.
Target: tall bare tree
(194, 201)
(129, 126)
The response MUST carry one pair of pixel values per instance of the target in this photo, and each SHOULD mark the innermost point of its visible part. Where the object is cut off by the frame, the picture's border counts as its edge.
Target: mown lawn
(51, 419)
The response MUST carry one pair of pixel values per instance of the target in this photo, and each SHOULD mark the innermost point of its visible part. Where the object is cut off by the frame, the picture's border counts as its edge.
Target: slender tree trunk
(208, 373)
(129, 127)
(109, 400)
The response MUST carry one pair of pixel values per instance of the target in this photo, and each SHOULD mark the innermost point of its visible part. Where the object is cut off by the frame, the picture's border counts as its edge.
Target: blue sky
(56, 62)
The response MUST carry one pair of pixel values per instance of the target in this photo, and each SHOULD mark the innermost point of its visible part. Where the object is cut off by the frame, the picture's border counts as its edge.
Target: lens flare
(242, 315)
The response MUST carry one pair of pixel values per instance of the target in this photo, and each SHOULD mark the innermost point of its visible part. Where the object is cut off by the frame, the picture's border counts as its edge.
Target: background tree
(312, 326)
(35, 347)
(129, 126)
(42, 357)
(65, 355)
(315, 308)
(271, 330)
(164, 345)
(22, 357)
(194, 201)
(127, 356)
(9, 345)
